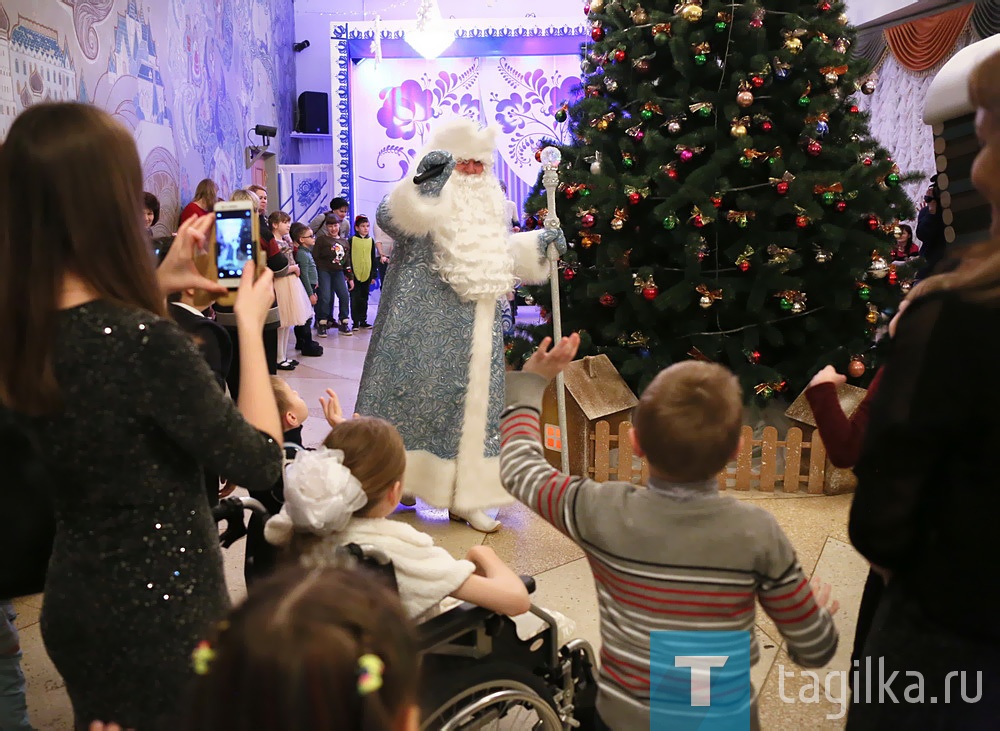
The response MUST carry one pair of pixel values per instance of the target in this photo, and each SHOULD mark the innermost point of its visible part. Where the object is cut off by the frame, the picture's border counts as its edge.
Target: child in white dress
(294, 307)
(344, 492)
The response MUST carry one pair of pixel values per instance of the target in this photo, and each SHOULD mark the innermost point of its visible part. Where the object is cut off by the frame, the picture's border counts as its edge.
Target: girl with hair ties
(925, 509)
(126, 411)
(323, 649)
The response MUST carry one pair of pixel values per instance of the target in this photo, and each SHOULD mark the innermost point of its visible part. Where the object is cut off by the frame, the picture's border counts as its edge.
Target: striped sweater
(671, 557)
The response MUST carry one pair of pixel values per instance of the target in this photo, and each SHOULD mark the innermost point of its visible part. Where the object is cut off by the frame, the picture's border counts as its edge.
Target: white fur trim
(465, 140)
(414, 214)
(472, 481)
(529, 266)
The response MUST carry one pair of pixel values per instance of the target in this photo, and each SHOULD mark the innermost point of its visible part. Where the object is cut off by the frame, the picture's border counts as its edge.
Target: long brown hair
(207, 192)
(53, 154)
(288, 658)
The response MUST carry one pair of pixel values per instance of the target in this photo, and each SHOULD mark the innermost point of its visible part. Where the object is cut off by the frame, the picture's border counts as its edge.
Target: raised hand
(331, 408)
(552, 236)
(178, 272)
(254, 298)
(828, 375)
(437, 159)
(550, 363)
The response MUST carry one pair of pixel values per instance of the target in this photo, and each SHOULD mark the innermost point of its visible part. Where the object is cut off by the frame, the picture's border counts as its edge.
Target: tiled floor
(817, 526)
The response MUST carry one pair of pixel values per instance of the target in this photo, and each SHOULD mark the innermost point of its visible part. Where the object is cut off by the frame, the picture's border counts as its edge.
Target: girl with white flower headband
(344, 492)
(320, 649)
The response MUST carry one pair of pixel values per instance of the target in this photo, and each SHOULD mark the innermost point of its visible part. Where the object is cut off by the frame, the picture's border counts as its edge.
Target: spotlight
(265, 131)
(300, 46)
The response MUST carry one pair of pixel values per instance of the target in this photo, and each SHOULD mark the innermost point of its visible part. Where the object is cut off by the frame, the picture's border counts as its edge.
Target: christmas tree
(723, 196)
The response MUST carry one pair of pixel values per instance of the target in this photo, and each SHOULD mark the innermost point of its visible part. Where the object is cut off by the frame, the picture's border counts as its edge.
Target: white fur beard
(471, 254)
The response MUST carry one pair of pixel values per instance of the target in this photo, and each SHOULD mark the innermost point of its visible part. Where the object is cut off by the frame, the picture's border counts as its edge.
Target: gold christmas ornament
(738, 129)
(619, 219)
(793, 44)
(708, 296)
(639, 15)
(879, 267)
(690, 11)
(596, 6)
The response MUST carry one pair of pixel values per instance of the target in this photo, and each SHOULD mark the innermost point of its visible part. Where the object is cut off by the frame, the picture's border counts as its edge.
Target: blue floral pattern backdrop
(306, 190)
(187, 77)
(395, 105)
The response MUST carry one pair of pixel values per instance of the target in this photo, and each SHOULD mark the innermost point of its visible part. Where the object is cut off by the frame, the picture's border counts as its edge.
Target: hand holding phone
(237, 236)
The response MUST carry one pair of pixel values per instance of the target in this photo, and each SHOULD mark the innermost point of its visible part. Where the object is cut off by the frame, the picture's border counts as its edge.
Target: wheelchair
(477, 673)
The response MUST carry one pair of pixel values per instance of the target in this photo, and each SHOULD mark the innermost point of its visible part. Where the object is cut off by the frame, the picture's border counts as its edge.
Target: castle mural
(188, 77)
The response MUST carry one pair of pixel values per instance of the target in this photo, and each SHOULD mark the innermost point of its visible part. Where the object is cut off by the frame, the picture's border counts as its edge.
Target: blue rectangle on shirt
(699, 681)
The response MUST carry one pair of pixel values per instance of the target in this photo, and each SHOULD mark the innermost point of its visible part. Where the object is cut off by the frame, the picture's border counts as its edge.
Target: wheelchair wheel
(492, 696)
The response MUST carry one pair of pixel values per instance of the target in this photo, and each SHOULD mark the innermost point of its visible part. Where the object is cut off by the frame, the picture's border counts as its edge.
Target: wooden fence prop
(804, 461)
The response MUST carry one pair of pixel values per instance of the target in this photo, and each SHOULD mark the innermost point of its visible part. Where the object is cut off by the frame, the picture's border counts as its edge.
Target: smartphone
(237, 233)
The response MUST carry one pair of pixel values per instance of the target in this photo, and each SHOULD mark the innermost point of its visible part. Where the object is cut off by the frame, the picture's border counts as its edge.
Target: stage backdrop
(394, 106)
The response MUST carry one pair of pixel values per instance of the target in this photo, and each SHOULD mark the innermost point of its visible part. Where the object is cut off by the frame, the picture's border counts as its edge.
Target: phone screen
(234, 237)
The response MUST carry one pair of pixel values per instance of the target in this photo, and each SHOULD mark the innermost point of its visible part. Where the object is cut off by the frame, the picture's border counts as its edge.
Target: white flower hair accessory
(321, 494)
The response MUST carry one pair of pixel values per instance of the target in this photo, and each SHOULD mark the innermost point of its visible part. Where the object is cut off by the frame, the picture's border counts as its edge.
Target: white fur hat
(465, 140)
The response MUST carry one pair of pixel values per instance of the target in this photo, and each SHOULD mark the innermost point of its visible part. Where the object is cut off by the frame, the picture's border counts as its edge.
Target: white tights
(283, 333)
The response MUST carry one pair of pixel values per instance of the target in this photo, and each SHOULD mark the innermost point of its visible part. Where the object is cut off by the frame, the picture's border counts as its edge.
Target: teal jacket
(307, 270)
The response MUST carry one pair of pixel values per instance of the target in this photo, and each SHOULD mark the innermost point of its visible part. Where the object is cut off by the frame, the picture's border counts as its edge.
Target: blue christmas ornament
(644, 352)
(822, 128)
(781, 72)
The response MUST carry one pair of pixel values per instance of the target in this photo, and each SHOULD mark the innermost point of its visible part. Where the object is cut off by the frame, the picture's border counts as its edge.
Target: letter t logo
(701, 675)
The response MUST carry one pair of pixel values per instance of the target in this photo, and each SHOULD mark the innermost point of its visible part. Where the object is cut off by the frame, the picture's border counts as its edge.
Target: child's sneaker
(321, 329)
(345, 328)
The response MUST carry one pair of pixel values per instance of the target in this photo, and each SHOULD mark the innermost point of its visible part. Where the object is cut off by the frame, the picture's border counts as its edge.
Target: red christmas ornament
(717, 201)
(672, 173)
(569, 274)
(781, 187)
(619, 55)
(634, 198)
(586, 9)
(757, 81)
(814, 148)
(744, 265)
(756, 22)
(824, 7)
(841, 206)
(873, 223)
(893, 277)
(570, 192)
(766, 126)
(587, 220)
(856, 368)
(597, 33)
(754, 357)
(650, 293)
(802, 221)
(608, 300)
(697, 221)
(854, 109)
(867, 162)
(642, 66)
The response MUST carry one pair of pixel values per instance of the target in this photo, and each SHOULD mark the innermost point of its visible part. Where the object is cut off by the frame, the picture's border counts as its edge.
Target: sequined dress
(136, 578)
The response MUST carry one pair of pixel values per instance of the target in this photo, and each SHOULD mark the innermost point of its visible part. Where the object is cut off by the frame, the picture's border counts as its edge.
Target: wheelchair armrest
(453, 623)
(529, 583)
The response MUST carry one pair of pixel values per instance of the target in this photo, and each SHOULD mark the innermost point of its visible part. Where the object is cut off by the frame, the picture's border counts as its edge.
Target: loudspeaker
(314, 113)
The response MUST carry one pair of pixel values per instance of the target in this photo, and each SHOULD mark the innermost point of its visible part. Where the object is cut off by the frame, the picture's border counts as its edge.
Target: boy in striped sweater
(676, 555)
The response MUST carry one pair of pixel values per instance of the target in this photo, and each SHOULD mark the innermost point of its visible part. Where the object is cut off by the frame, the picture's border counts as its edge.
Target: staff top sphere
(551, 157)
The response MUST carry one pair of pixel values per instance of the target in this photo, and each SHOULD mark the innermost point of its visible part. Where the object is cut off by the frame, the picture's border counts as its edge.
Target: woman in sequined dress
(128, 413)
